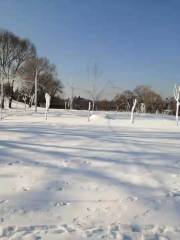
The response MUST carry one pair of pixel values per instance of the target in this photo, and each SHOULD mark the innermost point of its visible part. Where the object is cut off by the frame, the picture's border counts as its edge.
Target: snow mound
(96, 117)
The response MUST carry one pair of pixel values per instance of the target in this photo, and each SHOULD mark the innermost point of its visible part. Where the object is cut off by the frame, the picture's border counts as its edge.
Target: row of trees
(148, 100)
(20, 66)
(145, 95)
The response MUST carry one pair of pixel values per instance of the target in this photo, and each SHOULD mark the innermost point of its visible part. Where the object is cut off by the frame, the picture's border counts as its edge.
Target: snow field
(67, 178)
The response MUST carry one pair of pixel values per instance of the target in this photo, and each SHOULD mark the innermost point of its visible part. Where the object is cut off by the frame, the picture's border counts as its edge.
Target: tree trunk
(89, 111)
(31, 100)
(11, 94)
(2, 102)
(177, 112)
(2, 94)
(132, 112)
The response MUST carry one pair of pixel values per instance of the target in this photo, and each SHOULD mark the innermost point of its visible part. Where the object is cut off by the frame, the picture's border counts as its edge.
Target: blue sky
(133, 42)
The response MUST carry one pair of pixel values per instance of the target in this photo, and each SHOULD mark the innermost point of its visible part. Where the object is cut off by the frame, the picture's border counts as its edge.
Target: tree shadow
(48, 146)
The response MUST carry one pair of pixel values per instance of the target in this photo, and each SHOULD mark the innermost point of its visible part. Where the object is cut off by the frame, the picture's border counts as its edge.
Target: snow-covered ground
(67, 178)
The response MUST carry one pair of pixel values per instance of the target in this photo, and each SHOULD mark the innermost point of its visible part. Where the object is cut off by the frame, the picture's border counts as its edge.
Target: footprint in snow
(3, 201)
(173, 194)
(54, 188)
(59, 189)
(25, 189)
(12, 163)
(94, 231)
(132, 198)
(146, 213)
(61, 204)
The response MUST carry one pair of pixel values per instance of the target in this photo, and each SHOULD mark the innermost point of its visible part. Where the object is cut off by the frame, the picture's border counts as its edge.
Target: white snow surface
(67, 178)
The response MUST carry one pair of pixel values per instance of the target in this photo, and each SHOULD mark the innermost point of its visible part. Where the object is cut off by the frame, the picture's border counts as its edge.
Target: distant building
(80, 103)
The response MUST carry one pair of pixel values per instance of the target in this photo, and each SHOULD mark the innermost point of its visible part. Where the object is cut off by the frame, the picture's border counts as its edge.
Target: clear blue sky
(133, 41)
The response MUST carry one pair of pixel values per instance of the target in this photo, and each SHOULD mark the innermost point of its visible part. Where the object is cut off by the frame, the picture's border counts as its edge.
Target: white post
(132, 111)
(177, 112)
(65, 105)
(177, 98)
(142, 108)
(48, 100)
(35, 89)
(89, 111)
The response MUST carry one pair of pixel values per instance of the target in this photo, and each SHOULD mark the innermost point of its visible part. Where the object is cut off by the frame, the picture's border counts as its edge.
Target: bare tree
(13, 52)
(95, 91)
(177, 98)
(46, 74)
(124, 100)
(149, 97)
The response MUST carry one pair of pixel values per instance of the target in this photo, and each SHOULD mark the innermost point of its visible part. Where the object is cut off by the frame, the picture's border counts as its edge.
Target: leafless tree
(13, 52)
(177, 98)
(146, 95)
(47, 77)
(95, 91)
(124, 101)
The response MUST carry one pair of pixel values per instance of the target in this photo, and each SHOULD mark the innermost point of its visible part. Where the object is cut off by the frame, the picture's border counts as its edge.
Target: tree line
(148, 100)
(19, 65)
